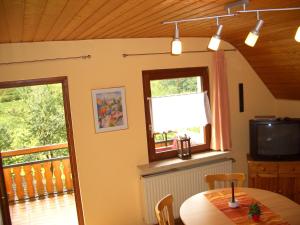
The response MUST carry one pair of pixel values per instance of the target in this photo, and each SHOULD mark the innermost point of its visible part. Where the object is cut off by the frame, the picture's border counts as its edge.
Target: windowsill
(176, 163)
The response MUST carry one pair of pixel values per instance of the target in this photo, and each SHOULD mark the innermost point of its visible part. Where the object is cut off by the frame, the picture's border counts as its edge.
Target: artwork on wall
(109, 109)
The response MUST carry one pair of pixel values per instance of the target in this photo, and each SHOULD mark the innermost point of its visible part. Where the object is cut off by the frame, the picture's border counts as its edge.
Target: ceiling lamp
(216, 39)
(297, 36)
(254, 34)
(176, 43)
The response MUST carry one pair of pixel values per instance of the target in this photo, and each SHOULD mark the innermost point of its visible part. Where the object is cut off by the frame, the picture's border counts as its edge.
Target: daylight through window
(176, 104)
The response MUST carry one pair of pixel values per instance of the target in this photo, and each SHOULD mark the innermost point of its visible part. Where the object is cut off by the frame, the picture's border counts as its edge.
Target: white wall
(288, 108)
(107, 161)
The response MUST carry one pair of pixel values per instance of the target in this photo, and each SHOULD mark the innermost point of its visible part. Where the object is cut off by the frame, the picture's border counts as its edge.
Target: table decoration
(240, 215)
(254, 212)
(233, 203)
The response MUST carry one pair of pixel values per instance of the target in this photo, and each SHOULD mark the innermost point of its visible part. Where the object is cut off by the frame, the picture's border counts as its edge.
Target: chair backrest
(164, 211)
(225, 178)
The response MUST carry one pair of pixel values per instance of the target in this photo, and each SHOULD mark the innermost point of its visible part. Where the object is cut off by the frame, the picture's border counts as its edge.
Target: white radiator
(181, 184)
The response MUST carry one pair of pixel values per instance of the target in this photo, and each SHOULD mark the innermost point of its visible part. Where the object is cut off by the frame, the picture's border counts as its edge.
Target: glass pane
(164, 141)
(177, 86)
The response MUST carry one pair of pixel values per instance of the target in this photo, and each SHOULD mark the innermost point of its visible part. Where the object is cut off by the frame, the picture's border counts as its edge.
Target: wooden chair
(225, 178)
(164, 211)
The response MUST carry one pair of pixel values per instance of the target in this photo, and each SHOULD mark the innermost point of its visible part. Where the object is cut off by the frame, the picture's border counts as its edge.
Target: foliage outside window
(173, 84)
(32, 116)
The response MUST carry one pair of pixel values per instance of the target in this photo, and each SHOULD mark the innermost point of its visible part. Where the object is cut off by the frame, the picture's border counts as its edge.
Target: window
(170, 97)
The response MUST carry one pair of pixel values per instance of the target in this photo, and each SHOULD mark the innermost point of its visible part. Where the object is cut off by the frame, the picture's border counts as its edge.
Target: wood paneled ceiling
(275, 58)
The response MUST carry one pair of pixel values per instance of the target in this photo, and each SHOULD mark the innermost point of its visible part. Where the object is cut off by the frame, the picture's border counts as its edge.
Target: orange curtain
(221, 137)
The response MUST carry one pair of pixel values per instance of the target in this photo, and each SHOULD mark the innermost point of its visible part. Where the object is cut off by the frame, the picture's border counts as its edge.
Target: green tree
(174, 86)
(5, 139)
(45, 115)
(8, 95)
(32, 116)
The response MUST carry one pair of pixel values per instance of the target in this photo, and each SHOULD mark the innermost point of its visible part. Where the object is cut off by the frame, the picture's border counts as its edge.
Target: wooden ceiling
(275, 58)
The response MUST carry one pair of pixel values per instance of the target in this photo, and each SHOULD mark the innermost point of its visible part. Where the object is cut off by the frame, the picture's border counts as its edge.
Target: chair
(164, 211)
(226, 178)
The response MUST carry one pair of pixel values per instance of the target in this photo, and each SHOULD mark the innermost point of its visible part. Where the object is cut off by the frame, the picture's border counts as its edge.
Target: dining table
(204, 208)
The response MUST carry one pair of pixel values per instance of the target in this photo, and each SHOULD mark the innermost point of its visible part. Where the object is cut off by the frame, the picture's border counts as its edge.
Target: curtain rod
(165, 53)
(47, 59)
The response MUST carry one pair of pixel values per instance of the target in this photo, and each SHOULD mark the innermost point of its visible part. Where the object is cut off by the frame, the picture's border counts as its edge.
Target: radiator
(180, 183)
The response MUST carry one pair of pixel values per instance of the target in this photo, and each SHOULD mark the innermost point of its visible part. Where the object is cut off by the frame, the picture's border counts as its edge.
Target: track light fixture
(297, 36)
(254, 34)
(176, 43)
(216, 39)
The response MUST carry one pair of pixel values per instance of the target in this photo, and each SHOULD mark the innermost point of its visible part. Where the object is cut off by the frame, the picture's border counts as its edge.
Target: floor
(59, 210)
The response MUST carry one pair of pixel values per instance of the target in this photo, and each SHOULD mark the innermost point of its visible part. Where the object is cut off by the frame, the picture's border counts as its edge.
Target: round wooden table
(197, 210)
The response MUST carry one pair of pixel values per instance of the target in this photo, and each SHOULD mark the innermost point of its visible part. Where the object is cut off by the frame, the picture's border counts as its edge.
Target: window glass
(176, 93)
(174, 106)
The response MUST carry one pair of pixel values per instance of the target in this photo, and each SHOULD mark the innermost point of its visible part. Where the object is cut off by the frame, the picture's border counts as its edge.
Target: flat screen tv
(275, 139)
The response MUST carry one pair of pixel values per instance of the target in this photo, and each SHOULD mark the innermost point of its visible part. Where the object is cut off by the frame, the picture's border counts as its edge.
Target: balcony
(38, 185)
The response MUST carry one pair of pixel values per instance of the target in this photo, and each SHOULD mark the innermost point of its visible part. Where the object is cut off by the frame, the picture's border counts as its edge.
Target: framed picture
(109, 109)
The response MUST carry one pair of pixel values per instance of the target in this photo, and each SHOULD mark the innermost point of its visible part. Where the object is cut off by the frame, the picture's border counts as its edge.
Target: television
(275, 139)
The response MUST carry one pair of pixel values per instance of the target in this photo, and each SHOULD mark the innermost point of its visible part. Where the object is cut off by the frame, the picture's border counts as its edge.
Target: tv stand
(282, 177)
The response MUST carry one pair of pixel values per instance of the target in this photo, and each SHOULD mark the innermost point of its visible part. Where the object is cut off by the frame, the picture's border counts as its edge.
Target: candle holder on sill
(184, 147)
(233, 203)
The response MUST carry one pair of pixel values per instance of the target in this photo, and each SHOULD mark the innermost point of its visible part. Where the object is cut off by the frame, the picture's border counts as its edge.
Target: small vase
(256, 218)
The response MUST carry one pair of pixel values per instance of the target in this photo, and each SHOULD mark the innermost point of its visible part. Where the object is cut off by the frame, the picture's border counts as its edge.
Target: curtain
(180, 112)
(221, 137)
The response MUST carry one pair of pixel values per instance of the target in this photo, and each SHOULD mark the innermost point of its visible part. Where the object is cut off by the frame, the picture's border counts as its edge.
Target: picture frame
(109, 108)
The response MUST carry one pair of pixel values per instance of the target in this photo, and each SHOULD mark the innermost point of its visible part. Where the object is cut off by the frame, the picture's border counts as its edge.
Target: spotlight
(216, 39)
(253, 35)
(297, 36)
(176, 43)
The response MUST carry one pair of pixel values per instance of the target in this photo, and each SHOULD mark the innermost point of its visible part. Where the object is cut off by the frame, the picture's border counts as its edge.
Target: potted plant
(254, 212)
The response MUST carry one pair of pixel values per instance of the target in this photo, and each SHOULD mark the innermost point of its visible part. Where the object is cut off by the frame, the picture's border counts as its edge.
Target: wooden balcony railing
(37, 179)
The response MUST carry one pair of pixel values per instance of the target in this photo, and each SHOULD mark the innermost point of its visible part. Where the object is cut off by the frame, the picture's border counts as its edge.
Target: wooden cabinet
(280, 177)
